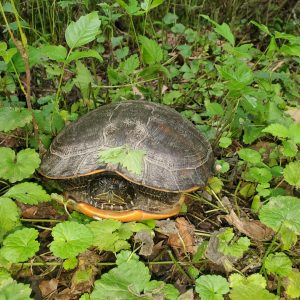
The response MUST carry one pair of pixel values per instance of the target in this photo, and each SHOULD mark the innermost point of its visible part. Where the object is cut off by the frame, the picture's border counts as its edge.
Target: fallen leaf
(295, 114)
(254, 228)
(144, 237)
(48, 287)
(184, 238)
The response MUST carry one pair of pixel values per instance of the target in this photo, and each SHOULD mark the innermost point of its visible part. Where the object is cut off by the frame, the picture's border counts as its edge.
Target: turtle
(177, 159)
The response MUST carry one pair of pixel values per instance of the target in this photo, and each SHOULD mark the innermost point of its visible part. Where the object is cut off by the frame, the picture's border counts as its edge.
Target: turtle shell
(177, 156)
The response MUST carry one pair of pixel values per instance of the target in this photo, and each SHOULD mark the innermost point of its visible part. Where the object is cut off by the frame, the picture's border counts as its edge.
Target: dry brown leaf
(295, 114)
(184, 238)
(146, 240)
(47, 287)
(254, 228)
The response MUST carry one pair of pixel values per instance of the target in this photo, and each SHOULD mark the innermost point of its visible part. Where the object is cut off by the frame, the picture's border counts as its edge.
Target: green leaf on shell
(131, 159)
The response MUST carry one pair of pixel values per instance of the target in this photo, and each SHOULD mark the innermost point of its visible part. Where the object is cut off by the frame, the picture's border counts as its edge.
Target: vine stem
(22, 47)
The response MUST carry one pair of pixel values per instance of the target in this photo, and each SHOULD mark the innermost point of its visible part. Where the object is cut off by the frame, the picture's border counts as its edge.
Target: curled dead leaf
(252, 228)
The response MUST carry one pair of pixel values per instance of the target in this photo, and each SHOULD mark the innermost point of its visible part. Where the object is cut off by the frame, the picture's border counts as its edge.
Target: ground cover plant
(234, 74)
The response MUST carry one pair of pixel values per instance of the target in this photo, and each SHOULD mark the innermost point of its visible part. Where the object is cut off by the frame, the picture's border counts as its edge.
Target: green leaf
(70, 263)
(75, 55)
(178, 28)
(236, 248)
(294, 133)
(291, 173)
(213, 109)
(28, 193)
(290, 148)
(17, 167)
(131, 8)
(223, 30)
(293, 285)
(70, 239)
(282, 213)
(82, 31)
(260, 175)
(252, 287)
(126, 281)
(20, 245)
(57, 53)
(107, 237)
(130, 159)
(290, 50)
(170, 18)
(212, 287)
(129, 65)
(11, 119)
(225, 142)
(250, 155)
(10, 216)
(83, 79)
(11, 290)
(262, 27)
(151, 51)
(278, 263)
(277, 130)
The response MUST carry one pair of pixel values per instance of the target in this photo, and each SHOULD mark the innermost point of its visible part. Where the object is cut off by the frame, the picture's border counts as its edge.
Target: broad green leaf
(260, 175)
(11, 290)
(131, 159)
(131, 8)
(151, 51)
(28, 193)
(225, 142)
(291, 173)
(53, 52)
(11, 119)
(8, 54)
(263, 189)
(213, 109)
(247, 191)
(147, 5)
(121, 52)
(293, 284)
(75, 55)
(10, 216)
(70, 239)
(282, 213)
(70, 263)
(127, 281)
(251, 133)
(290, 148)
(106, 235)
(129, 65)
(223, 30)
(211, 287)
(290, 50)
(83, 79)
(236, 248)
(178, 28)
(215, 184)
(83, 31)
(278, 263)
(294, 133)
(252, 287)
(17, 167)
(170, 18)
(20, 245)
(277, 130)
(224, 166)
(250, 155)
